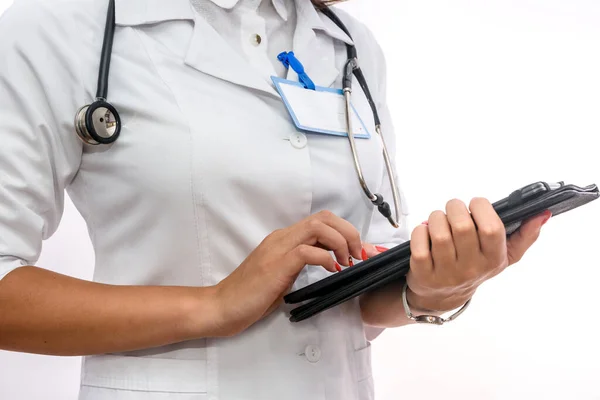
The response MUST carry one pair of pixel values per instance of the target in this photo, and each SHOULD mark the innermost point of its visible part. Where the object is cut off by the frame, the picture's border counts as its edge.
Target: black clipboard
(393, 265)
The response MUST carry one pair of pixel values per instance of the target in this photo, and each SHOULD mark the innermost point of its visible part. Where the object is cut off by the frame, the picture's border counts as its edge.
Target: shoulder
(371, 57)
(31, 21)
(48, 41)
(44, 45)
(49, 10)
(363, 37)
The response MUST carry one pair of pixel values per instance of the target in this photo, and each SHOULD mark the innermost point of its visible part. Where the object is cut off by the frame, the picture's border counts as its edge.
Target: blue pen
(289, 60)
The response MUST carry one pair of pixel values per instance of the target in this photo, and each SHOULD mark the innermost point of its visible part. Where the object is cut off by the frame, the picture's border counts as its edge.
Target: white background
(487, 96)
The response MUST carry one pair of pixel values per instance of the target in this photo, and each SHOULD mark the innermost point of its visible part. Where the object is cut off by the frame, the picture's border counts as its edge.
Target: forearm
(383, 308)
(47, 313)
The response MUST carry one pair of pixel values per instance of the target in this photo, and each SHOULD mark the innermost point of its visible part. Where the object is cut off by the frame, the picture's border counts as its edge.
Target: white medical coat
(208, 163)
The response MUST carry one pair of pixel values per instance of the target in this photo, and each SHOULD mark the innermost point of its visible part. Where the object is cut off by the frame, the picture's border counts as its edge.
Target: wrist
(437, 304)
(202, 313)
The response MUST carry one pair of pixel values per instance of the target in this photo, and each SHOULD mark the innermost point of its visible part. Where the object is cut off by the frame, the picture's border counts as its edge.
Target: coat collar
(144, 12)
(209, 53)
(279, 5)
(307, 14)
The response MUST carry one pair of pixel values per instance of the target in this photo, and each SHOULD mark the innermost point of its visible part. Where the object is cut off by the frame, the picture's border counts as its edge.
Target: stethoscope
(99, 123)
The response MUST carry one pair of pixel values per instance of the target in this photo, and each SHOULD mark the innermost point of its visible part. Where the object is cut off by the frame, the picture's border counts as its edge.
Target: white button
(255, 39)
(298, 140)
(312, 353)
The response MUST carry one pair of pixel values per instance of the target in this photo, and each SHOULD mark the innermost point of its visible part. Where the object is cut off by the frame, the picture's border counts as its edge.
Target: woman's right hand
(258, 285)
(48, 313)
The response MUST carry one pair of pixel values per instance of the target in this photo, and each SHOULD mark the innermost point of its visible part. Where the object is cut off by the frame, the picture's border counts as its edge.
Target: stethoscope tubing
(111, 122)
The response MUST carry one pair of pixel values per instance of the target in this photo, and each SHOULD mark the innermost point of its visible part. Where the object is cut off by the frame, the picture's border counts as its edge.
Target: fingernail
(364, 255)
(350, 262)
(425, 223)
(381, 249)
(338, 267)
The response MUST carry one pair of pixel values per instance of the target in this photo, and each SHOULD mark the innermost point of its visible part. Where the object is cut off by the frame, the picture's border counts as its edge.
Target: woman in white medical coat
(210, 206)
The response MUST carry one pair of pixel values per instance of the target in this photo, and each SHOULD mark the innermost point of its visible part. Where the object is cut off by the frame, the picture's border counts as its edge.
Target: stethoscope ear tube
(393, 185)
(351, 68)
(363, 84)
(99, 122)
(384, 208)
(377, 199)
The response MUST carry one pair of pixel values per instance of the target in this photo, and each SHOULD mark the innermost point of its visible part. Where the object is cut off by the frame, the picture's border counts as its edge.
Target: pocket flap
(145, 374)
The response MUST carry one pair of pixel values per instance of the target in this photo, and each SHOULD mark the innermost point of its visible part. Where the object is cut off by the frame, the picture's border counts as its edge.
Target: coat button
(298, 140)
(312, 353)
(255, 39)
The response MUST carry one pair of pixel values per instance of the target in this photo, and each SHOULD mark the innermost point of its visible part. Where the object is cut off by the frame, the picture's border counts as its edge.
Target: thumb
(520, 241)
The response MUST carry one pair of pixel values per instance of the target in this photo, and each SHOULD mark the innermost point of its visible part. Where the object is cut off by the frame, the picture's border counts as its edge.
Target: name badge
(322, 110)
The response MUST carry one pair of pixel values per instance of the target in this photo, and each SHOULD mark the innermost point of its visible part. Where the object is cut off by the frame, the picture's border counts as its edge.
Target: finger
(345, 262)
(442, 243)
(346, 229)
(349, 262)
(464, 233)
(305, 254)
(324, 236)
(304, 231)
(490, 229)
(421, 262)
(521, 240)
(370, 249)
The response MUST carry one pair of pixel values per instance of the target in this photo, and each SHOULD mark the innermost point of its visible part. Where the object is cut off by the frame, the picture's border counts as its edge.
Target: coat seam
(211, 350)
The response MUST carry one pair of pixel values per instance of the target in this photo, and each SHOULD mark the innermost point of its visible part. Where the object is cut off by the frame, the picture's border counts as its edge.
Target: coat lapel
(209, 53)
(314, 45)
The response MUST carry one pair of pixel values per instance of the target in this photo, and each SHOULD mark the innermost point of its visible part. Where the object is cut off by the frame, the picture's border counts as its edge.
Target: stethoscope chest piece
(98, 123)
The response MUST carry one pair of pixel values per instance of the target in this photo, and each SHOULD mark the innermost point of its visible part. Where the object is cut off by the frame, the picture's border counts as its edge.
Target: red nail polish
(350, 262)
(381, 249)
(425, 223)
(338, 267)
(364, 255)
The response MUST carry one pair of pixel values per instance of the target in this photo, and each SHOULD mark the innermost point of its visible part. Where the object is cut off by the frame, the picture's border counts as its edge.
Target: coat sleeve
(40, 88)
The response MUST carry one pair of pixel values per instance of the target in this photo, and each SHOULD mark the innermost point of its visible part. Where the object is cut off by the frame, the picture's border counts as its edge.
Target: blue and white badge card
(322, 110)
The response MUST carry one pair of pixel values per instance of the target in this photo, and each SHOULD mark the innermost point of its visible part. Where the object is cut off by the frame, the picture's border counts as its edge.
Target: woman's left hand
(456, 251)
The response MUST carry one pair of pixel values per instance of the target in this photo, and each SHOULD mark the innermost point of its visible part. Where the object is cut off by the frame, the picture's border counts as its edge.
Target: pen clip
(288, 59)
